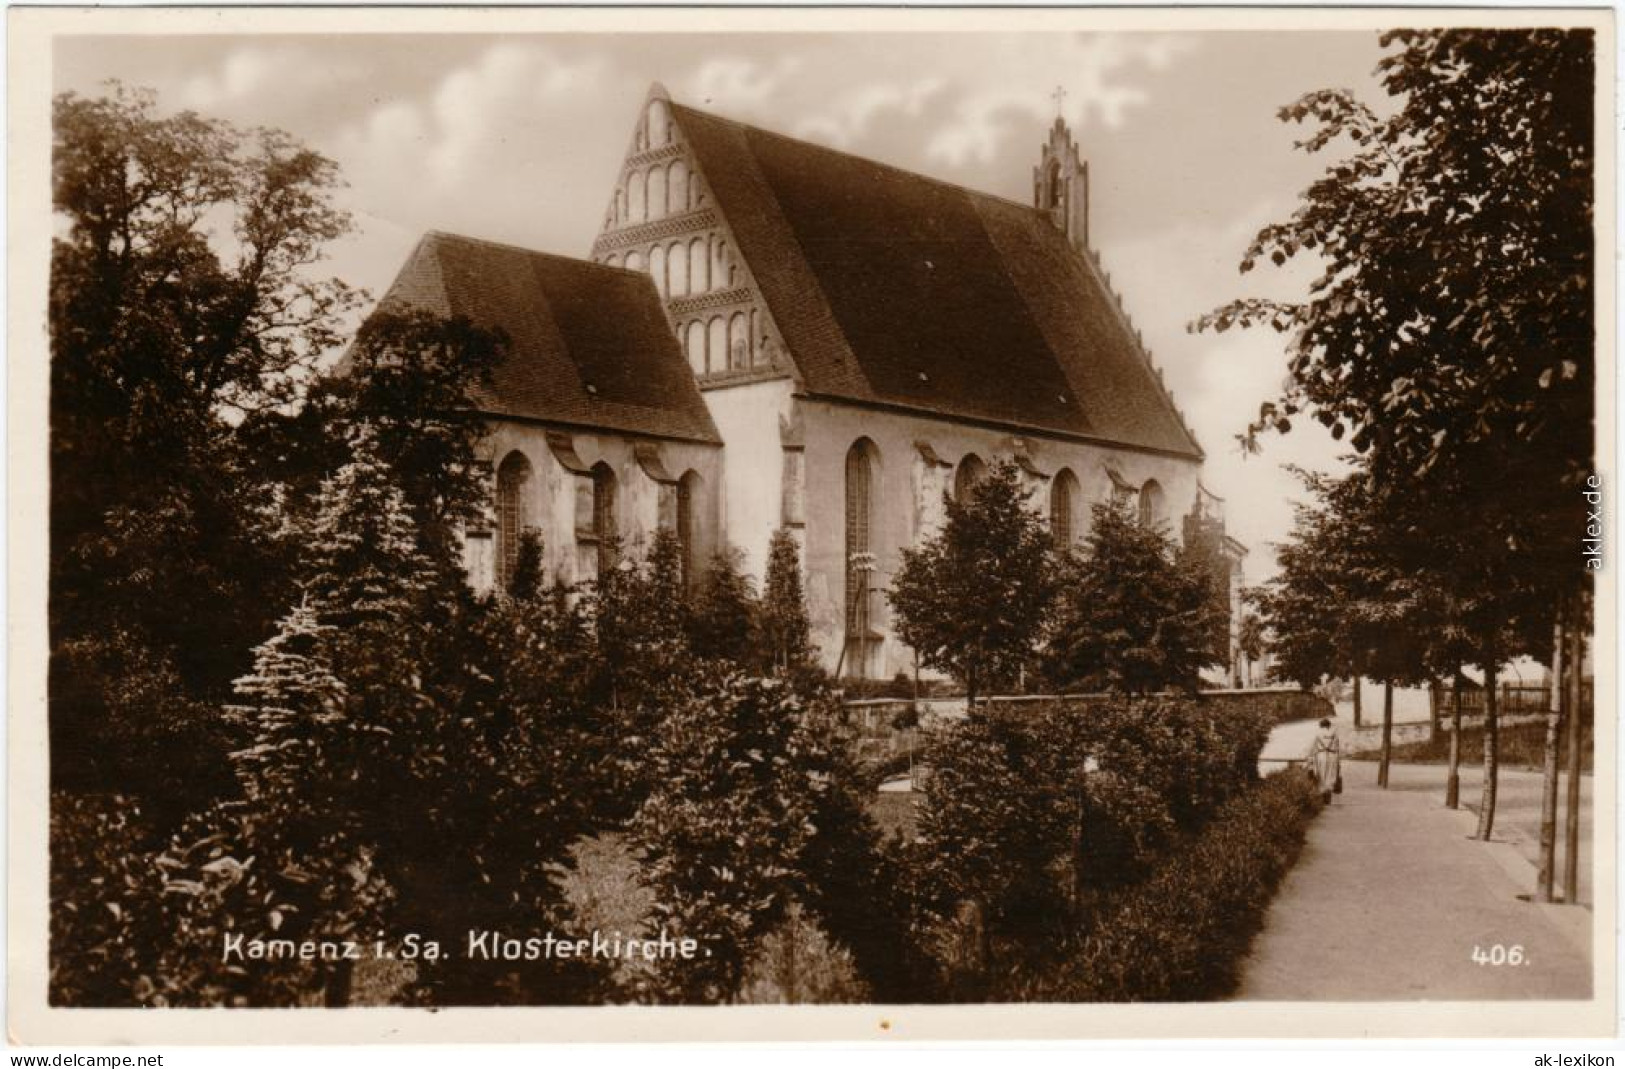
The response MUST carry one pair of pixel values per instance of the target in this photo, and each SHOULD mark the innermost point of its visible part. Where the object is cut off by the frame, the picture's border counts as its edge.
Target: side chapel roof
(588, 345)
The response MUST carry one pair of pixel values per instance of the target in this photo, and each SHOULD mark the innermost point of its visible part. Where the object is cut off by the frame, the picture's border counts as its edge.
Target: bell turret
(1061, 184)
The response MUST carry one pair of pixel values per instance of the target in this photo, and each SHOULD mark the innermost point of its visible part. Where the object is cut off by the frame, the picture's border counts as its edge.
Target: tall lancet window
(659, 123)
(657, 268)
(603, 513)
(513, 477)
(860, 561)
(657, 192)
(677, 188)
(1062, 493)
(687, 495)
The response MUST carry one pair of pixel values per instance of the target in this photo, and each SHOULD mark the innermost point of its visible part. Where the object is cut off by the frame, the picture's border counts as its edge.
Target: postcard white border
(31, 33)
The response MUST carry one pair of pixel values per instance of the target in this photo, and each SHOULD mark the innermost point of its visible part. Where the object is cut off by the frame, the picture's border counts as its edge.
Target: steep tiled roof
(588, 345)
(895, 288)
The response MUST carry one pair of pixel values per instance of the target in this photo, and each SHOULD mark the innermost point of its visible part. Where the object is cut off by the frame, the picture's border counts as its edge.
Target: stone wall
(891, 728)
(554, 496)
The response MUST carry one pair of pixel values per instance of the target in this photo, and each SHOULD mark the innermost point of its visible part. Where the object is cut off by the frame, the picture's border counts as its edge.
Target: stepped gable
(891, 287)
(588, 345)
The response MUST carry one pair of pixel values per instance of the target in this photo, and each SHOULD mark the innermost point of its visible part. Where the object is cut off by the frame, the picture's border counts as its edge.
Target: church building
(777, 334)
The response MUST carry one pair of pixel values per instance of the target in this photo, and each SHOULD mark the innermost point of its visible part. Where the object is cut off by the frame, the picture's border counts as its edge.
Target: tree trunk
(1387, 733)
(1571, 829)
(1452, 785)
(1356, 701)
(1492, 752)
(336, 990)
(1546, 873)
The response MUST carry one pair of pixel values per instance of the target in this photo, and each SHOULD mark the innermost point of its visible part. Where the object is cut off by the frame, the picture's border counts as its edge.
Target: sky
(519, 137)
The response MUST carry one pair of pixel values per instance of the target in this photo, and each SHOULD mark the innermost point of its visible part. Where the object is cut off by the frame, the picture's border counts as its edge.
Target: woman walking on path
(1325, 761)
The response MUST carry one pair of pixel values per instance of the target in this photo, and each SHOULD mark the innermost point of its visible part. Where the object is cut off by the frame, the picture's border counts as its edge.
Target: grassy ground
(1522, 746)
(794, 963)
(894, 812)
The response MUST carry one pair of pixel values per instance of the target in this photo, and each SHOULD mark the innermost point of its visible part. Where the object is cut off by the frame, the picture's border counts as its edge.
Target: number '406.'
(1499, 955)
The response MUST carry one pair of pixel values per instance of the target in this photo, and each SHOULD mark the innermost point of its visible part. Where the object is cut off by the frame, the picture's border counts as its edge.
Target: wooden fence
(1515, 699)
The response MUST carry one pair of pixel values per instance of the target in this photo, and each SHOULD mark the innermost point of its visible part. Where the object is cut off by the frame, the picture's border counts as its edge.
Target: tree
(1250, 644)
(1134, 614)
(1451, 333)
(722, 616)
(785, 630)
(414, 377)
(526, 582)
(642, 663)
(972, 599)
(158, 334)
(737, 779)
(438, 746)
(1354, 595)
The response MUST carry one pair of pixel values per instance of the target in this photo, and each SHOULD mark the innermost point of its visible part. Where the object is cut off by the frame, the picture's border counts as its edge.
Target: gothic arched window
(719, 264)
(1063, 491)
(1151, 504)
(513, 479)
(860, 491)
(688, 494)
(657, 193)
(694, 346)
(677, 268)
(657, 268)
(738, 342)
(603, 513)
(699, 273)
(634, 261)
(677, 188)
(1052, 184)
(969, 473)
(659, 123)
(716, 345)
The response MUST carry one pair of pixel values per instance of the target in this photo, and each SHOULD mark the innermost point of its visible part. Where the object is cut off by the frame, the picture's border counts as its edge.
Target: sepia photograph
(1001, 512)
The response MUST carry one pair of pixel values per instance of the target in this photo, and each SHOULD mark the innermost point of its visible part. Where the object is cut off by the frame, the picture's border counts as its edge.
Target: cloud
(734, 85)
(503, 94)
(1088, 68)
(857, 110)
(255, 71)
(487, 148)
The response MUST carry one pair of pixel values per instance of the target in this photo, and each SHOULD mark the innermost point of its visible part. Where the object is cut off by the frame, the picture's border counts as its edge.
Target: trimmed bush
(1033, 819)
(1181, 935)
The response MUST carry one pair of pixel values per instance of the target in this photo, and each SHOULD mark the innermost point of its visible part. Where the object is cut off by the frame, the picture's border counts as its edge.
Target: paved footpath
(1391, 896)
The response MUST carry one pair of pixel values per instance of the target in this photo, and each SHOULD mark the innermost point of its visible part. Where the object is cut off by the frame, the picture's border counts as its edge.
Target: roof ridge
(969, 190)
(509, 246)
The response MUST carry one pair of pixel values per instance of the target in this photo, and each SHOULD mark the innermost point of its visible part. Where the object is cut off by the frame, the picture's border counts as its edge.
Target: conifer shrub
(785, 634)
(723, 611)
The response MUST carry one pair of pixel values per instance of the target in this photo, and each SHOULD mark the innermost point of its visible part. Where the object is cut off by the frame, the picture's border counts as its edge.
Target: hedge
(1181, 935)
